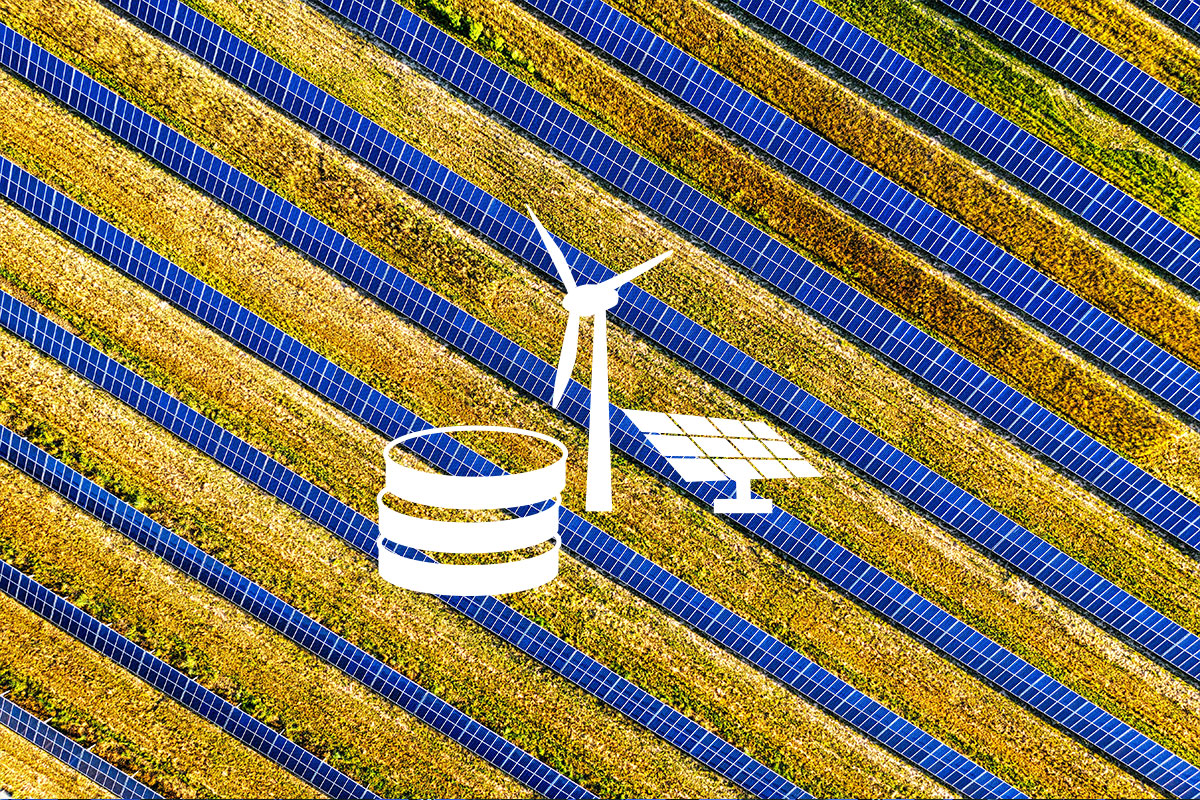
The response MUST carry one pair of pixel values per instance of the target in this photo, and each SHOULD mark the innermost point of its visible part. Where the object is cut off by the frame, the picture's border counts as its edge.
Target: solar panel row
(165, 678)
(985, 132)
(257, 601)
(1090, 66)
(360, 532)
(68, 751)
(711, 355)
(693, 211)
(645, 313)
(884, 201)
(591, 544)
(1102, 335)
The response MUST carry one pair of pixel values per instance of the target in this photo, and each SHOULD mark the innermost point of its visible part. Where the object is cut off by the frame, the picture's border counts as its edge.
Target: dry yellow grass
(908, 285)
(743, 576)
(223, 648)
(507, 294)
(171, 749)
(310, 568)
(28, 771)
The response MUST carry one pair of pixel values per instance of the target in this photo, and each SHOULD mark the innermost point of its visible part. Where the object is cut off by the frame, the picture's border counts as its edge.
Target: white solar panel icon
(712, 449)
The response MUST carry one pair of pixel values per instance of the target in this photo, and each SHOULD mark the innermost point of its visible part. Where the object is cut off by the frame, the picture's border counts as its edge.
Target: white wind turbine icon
(586, 301)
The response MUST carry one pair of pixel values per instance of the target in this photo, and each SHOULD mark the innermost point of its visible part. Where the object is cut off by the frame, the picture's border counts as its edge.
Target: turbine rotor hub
(589, 300)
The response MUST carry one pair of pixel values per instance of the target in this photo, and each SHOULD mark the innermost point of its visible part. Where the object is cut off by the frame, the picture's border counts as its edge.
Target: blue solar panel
(1090, 66)
(69, 752)
(1186, 12)
(360, 532)
(165, 678)
(982, 130)
(945, 238)
(727, 365)
(591, 544)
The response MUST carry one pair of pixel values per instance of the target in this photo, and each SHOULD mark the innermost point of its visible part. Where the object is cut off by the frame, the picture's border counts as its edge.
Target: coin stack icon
(534, 496)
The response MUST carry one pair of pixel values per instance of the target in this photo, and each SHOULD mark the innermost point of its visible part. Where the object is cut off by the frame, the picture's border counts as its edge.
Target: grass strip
(391, 223)
(742, 576)
(129, 724)
(218, 645)
(996, 209)
(26, 770)
(566, 608)
(724, 692)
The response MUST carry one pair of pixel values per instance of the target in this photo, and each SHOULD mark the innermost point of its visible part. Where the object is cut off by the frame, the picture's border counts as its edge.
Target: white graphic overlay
(472, 492)
(593, 300)
(713, 449)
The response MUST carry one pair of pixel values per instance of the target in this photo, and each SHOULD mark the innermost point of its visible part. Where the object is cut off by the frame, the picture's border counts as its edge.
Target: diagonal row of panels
(70, 752)
(983, 131)
(593, 545)
(688, 340)
(677, 333)
(907, 215)
(361, 533)
(144, 664)
(1091, 66)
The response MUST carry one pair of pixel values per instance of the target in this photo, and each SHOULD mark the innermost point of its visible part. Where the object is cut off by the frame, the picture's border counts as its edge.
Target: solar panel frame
(773, 532)
(1090, 66)
(360, 532)
(70, 752)
(173, 683)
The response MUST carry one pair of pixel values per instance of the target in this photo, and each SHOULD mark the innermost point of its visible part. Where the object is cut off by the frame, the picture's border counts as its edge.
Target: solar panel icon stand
(714, 449)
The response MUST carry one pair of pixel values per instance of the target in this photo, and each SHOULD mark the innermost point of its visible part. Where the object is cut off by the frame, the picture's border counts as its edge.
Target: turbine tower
(587, 301)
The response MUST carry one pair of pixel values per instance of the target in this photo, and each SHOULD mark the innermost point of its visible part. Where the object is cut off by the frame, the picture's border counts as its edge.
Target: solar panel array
(879, 198)
(1126, 483)
(727, 365)
(594, 546)
(711, 448)
(70, 752)
(360, 532)
(266, 607)
(168, 680)
(985, 132)
(1090, 66)
(659, 322)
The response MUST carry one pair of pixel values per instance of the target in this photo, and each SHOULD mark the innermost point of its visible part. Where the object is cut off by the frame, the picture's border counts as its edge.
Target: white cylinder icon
(472, 492)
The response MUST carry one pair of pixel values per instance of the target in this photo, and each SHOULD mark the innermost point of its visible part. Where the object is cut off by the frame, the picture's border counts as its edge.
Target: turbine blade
(566, 357)
(617, 281)
(560, 261)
